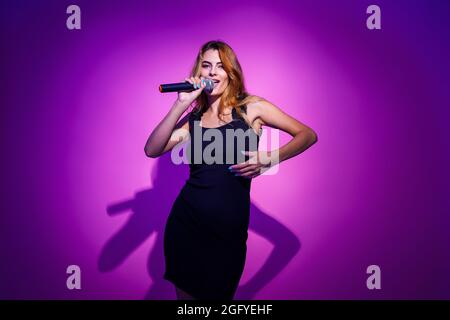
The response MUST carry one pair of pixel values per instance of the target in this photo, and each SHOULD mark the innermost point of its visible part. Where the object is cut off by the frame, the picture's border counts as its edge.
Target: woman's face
(211, 67)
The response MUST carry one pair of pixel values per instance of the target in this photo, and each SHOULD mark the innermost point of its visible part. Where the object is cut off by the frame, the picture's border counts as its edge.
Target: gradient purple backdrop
(77, 107)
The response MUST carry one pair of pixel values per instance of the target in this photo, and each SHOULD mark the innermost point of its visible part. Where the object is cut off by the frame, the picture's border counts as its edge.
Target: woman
(206, 231)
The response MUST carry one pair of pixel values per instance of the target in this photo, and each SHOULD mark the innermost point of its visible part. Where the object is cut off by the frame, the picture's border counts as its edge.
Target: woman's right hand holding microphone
(186, 98)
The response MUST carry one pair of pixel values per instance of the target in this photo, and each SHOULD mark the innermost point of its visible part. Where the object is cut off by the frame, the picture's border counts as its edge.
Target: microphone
(185, 86)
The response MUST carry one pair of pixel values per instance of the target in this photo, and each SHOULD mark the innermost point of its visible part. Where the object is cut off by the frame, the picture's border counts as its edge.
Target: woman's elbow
(314, 137)
(150, 153)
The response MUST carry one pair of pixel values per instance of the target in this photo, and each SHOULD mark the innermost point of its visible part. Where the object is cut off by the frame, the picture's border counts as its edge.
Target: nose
(212, 72)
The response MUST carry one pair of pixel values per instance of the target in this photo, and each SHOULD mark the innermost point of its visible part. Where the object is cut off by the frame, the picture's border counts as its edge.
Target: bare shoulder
(265, 113)
(255, 109)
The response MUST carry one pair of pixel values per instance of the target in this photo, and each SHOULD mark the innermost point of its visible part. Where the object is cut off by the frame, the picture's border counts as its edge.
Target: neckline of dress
(226, 124)
(234, 116)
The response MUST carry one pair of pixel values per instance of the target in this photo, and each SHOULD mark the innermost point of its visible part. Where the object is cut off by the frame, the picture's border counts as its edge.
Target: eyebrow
(210, 62)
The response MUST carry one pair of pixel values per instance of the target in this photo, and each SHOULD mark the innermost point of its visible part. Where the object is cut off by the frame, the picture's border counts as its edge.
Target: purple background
(77, 107)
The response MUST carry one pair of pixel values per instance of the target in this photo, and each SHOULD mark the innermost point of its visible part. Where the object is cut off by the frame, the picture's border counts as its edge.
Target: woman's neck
(213, 104)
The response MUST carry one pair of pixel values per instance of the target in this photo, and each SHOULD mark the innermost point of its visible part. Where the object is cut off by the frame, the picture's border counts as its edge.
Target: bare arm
(168, 133)
(270, 115)
(303, 136)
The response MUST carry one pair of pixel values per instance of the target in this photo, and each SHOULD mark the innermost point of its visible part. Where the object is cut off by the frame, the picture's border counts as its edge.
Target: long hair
(235, 95)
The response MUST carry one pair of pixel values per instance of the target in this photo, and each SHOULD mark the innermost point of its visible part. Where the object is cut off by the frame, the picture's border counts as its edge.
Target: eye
(209, 66)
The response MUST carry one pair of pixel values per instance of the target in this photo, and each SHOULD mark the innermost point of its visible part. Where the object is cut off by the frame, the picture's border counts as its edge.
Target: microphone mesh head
(209, 85)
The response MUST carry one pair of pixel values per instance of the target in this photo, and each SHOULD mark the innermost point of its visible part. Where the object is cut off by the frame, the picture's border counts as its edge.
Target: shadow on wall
(150, 209)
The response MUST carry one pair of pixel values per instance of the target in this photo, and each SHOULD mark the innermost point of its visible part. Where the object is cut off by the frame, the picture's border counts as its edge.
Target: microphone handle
(176, 87)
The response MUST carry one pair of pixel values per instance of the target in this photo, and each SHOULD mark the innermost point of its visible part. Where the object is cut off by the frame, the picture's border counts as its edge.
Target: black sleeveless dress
(206, 231)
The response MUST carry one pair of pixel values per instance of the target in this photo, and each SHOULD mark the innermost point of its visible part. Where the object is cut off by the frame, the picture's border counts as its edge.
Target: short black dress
(206, 231)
